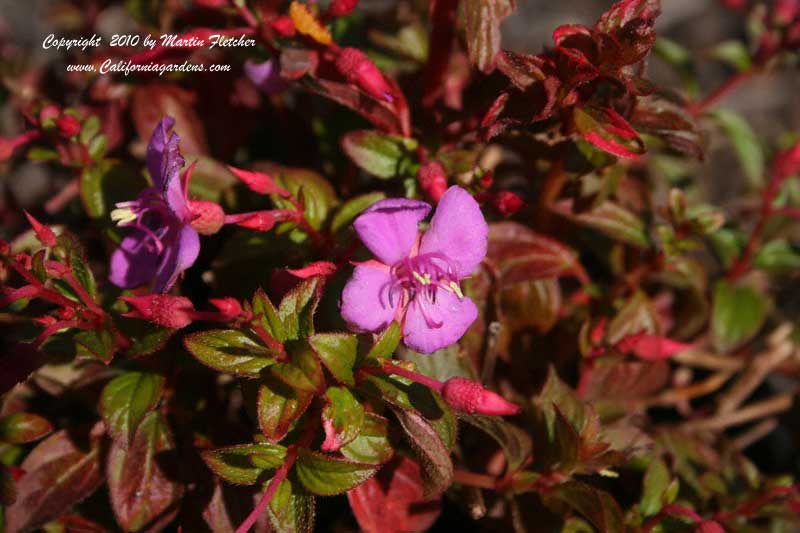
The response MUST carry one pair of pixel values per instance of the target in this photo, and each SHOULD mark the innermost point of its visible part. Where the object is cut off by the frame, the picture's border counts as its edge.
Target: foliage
(616, 326)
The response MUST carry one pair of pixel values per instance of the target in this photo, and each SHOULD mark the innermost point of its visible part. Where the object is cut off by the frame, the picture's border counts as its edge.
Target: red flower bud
(340, 8)
(48, 115)
(229, 307)
(207, 217)
(68, 126)
(361, 71)
(162, 309)
(469, 396)
(432, 180)
(283, 26)
(507, 203)
(486, 180)
(43, 233)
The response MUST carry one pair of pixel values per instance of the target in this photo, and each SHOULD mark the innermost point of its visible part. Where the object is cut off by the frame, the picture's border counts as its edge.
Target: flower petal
(182, 246)
(389, 227)
(164, 162)
(133, 264)
(365, 304)
(266, 76)
(456, 315)
(458, 230)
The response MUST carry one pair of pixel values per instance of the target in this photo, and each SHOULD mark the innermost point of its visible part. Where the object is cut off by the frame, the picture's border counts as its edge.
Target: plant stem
(731, 83)
(431, 383)
(473, 479)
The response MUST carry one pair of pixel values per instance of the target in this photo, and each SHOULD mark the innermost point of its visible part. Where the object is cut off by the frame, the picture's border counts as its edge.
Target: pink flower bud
(507, 203)
(48, 115)
(486, 180)
(229, 307)
(469, 396)
(361, 71)
(161, 309)
(340, 8)
(207, 217)
(432, 180)
(283, 26)
(68, 126)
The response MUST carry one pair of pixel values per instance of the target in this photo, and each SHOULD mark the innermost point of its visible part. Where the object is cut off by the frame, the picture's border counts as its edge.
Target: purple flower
(266, 76)
(416, 277)
(163, 243)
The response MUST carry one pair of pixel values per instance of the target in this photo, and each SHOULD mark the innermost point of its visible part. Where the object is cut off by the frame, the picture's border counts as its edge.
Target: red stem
(731, 83)
(413, 376)
(280, 475)
(85, 297)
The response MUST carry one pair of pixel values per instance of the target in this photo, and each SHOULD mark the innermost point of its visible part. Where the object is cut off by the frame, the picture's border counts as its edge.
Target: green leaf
(229, 351)
(338, 352)
(145, 338)
(327, 476)
(387, 343)
(352, 208)
(21, 428)
(654, 486)
(745, 144)
(266, 311)
(95, 344)
(138, 481)
(315, 194)
(379, 154)
(434, 455)
(516, 443)
(557, 393)
(105, 184)
(732, 52)
(605, 129)
(777, 257)
(126, 400)
(291, 509)
(608, 218)
(245, 464)
(738, 312)
(636, 316)
(597, 506)
(372, 445)
(343, 415)
(304, 372)
(483, 19)
(297, 309)
(278, 407)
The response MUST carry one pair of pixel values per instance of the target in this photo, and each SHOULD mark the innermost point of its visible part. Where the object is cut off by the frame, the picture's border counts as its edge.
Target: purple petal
(266, 76)
(389, 227)
(164, 162)
(182, 246)
(365, 304)
(133, 264)
(455, 315)
(458, 230)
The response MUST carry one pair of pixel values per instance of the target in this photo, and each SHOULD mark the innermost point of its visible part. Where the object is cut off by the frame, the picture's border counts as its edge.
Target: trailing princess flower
(163, 243)
(416, 278)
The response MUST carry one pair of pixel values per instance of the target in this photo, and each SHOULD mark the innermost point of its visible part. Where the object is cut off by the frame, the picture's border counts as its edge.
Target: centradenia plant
(279, 252)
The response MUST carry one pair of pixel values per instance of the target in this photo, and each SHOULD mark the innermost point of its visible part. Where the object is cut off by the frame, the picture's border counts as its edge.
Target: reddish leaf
(483, 18)
(624, 11)
(378, 113)
(58, 475)
(153, 101)
(609, 131)
(393, 500)
(140, 489)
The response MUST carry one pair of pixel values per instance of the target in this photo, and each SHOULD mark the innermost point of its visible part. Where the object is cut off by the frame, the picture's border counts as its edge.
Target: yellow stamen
(456, 289)
(123, 216)
(425, 280)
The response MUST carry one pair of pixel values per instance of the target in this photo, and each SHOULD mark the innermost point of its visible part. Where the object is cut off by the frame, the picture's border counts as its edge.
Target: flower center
(147, 213)
(420, 277)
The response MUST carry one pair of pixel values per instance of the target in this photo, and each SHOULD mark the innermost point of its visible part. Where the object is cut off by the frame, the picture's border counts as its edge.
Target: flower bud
(470, 397)
(340, 8)
(164, 310)
(207, 217)
(507, 203)
(228, 307)
(283, 26)
(48, 115)
(361, 71)
(432, 180)
(68, 126)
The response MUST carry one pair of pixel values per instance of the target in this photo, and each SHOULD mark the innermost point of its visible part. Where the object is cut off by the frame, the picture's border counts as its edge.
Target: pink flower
(415, 279)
